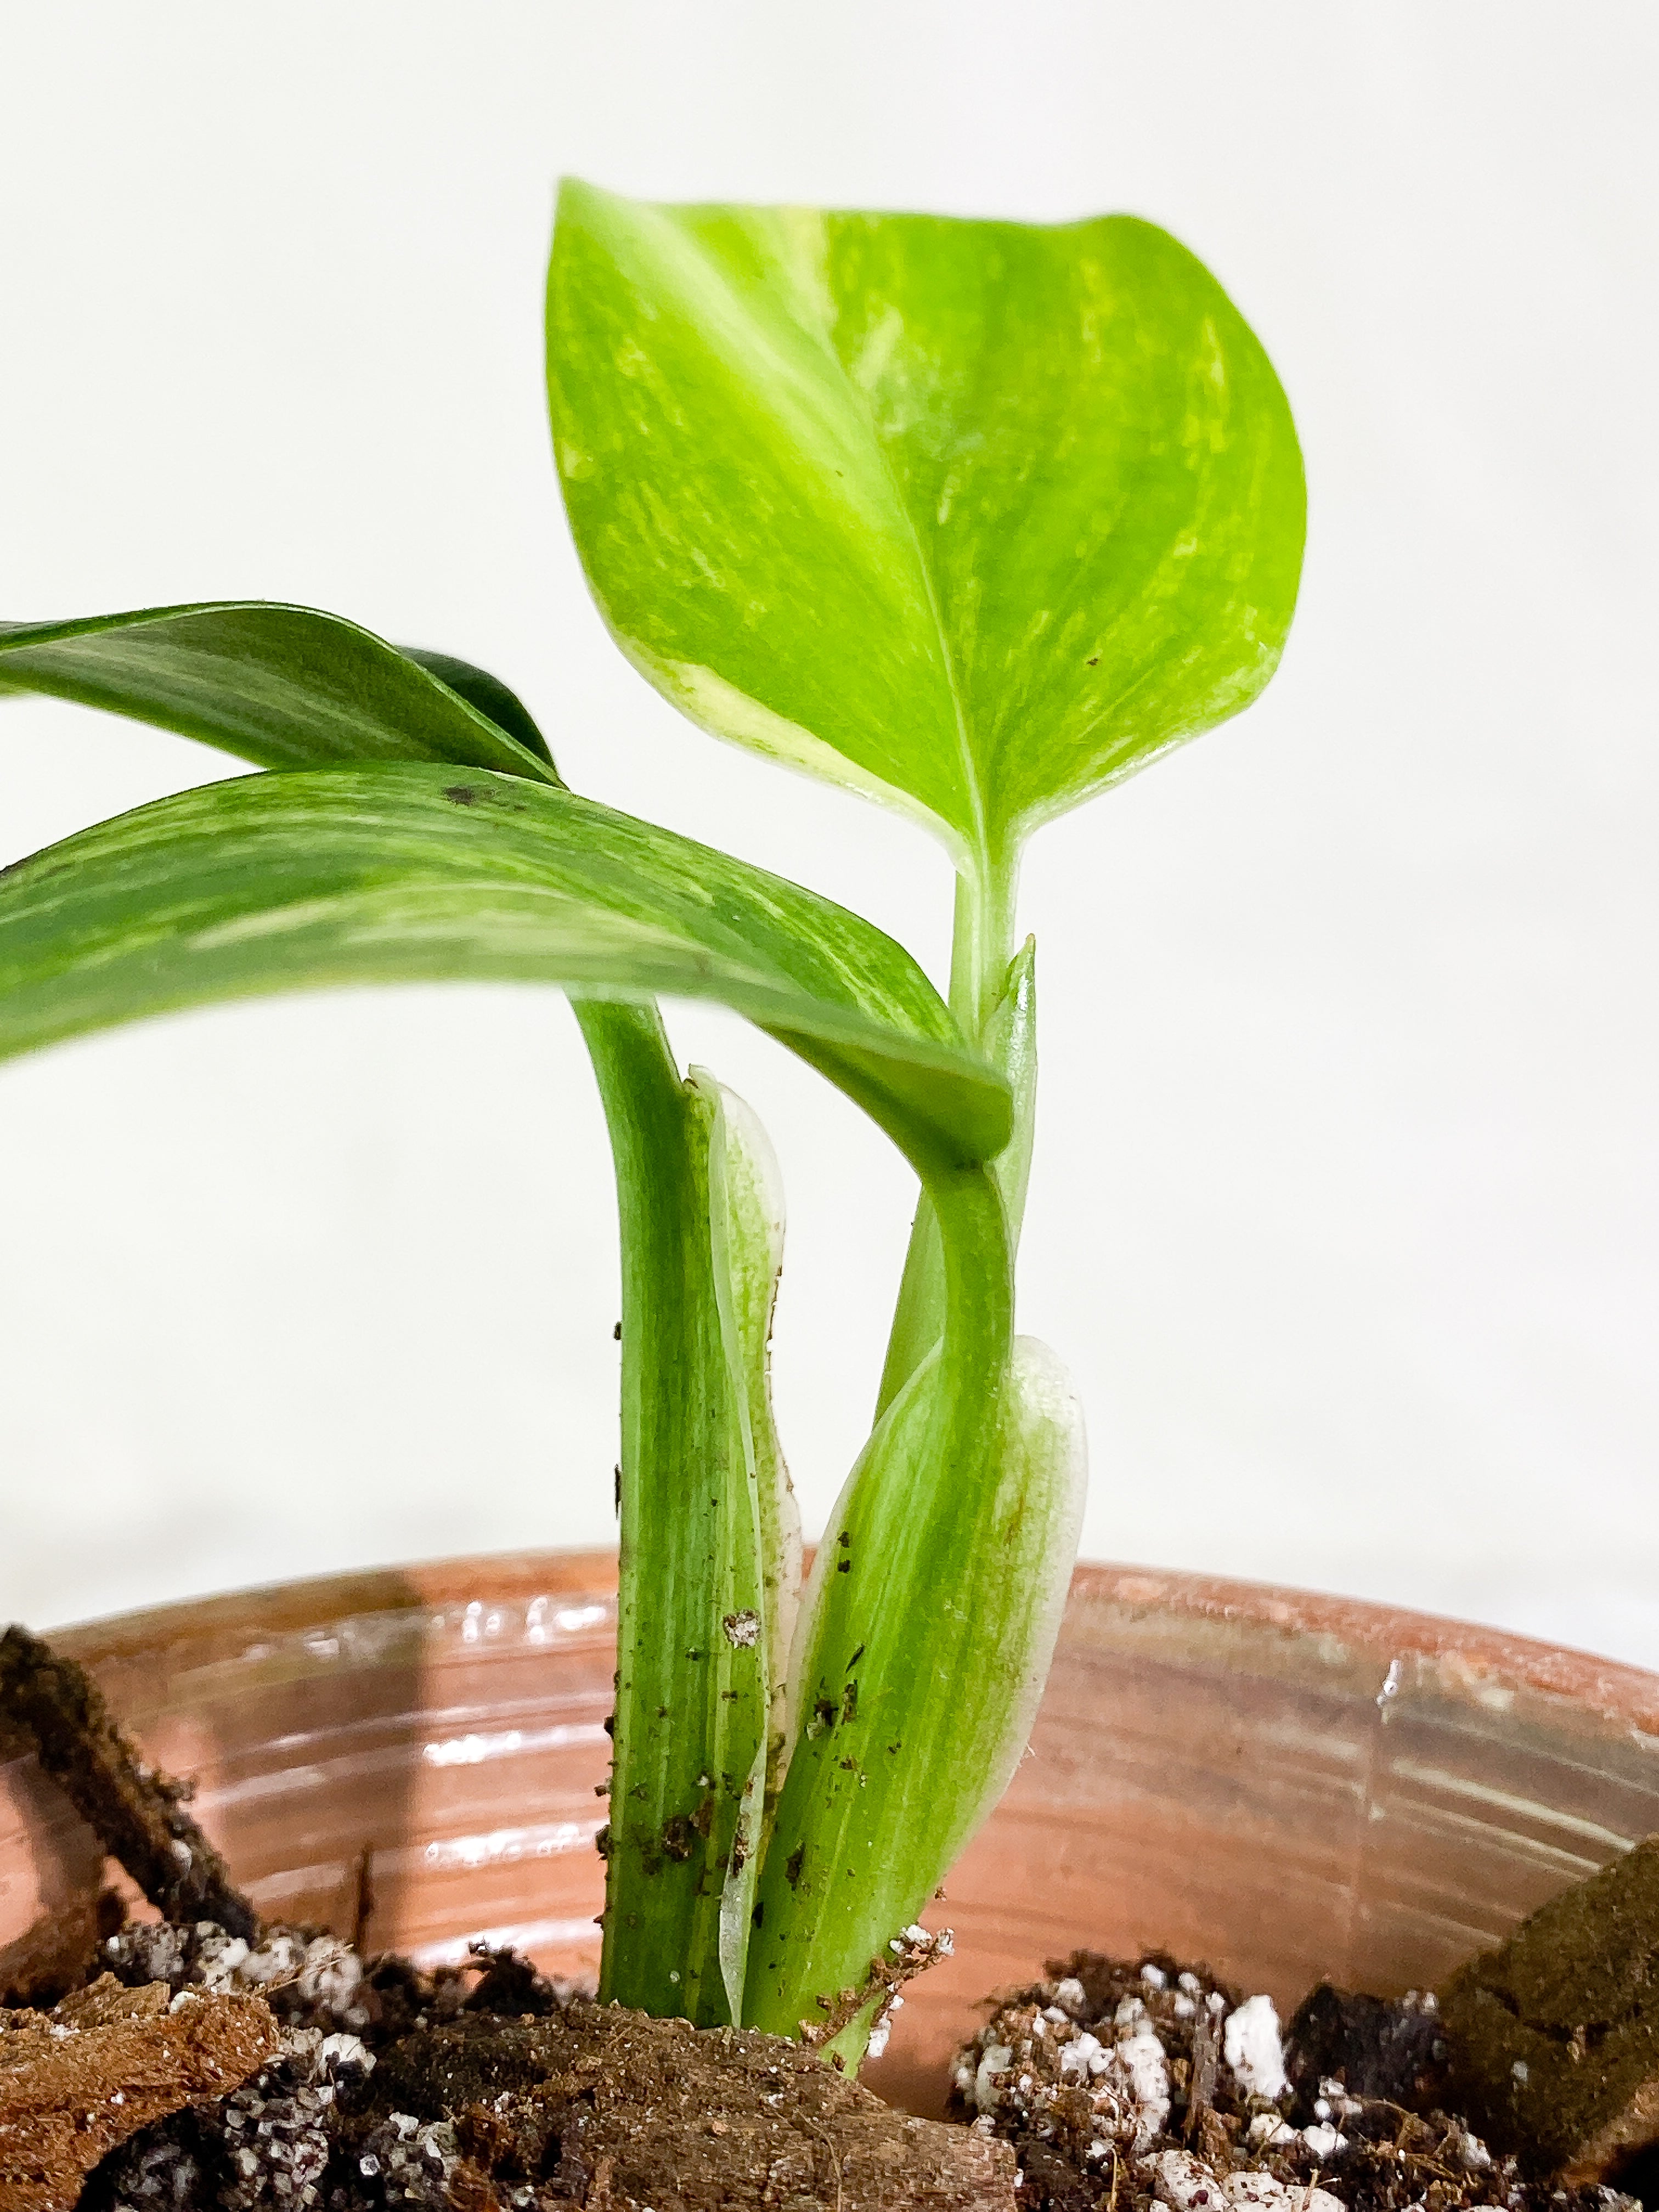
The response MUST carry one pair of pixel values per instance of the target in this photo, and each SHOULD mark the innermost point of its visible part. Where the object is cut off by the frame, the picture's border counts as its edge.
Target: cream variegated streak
(415, 871)
(993, 513)
(746, 1223)
(721, 708)
(746, 1205)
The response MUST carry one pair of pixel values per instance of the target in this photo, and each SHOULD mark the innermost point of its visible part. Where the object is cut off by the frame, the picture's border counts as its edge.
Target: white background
(1345, 1202)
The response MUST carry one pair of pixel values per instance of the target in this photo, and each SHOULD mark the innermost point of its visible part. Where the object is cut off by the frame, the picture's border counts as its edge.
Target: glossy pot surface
(1285, 1785)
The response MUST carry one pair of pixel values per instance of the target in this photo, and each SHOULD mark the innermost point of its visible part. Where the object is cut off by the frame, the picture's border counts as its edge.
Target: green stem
(981, 940)
(691, 1710)
(993, 996)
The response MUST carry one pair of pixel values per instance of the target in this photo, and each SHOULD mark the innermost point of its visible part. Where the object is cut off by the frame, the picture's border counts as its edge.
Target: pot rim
(221, 1626)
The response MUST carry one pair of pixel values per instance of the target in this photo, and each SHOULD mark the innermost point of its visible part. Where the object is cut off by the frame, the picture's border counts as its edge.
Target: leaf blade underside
(410, 872)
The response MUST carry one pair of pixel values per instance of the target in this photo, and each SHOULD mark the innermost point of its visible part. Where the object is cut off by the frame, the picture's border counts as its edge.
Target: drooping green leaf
(488, 696)
(706, 1538)
(284, 687)
(404, 873)
(977, 516)
(932, 1614)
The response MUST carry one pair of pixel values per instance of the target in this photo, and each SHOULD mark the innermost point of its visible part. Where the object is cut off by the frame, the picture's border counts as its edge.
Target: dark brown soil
(1136, 2085)
(214, 2063)
(488, 2086)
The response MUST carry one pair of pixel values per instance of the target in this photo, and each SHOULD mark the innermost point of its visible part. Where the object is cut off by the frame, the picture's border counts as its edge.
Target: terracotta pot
(1285, 1785)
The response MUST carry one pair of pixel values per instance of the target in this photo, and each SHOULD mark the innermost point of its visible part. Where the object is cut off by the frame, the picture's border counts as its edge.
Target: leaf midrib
(964, 746)
(865, 414)
(861, 415)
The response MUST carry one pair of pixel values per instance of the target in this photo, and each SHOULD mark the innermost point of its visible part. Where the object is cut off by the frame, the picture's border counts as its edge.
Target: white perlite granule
(1083, 2055)
(1186, 2183)
(1266, 2192)
(996, 2060)
(1324, 2142)
(1251, 2042)
(1473, 2151)
(1268, 2130)
(1142, 2057)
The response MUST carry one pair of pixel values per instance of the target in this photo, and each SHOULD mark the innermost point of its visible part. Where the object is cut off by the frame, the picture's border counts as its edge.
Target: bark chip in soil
(138, 1815)
(1554, 2036)
(105, 2062)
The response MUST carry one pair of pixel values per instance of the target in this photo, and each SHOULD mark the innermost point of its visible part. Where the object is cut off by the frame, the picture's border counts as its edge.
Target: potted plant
(975, 519)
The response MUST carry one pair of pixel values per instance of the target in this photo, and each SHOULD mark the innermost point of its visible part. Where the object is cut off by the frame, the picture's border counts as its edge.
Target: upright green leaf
(284, 687)
(977, 516)
(932, 1615)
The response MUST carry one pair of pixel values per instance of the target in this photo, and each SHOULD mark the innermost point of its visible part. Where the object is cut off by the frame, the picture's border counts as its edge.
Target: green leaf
(284, 687)
(706, 1532)
(746, 1214)
(404, 873)
(932, 1614)
(488, 695)
(693, 1683)
(976, 517)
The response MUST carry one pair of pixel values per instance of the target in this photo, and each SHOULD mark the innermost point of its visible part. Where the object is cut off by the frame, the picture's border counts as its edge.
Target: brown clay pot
(1283, 1784)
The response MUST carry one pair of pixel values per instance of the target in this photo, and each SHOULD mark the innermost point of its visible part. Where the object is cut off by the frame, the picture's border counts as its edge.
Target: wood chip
(138, 1815)
(1554, 2037)
(103, 2063)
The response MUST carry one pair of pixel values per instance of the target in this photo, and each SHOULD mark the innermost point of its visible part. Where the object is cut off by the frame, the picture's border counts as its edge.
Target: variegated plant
(974, 518)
